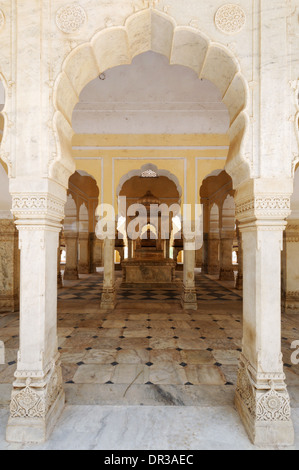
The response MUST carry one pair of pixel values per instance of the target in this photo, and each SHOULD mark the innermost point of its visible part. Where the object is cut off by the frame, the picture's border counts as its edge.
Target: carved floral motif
(230, 19)
(70, 18)
(34, 401)
(265, 397)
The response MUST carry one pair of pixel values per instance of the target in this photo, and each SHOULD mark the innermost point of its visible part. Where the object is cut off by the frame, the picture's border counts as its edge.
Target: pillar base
(70, 274)
(226, 275)
(189, 299)
(35, 430)
(37, 401)
(263, 403)
(108, 299)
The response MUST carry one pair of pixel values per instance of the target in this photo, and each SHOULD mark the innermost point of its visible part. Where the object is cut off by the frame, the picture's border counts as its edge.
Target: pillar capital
(38, 209)
(264, 200)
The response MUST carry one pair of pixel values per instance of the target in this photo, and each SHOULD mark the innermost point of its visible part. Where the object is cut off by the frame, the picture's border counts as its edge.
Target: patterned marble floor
(148, 350)
(90, 287)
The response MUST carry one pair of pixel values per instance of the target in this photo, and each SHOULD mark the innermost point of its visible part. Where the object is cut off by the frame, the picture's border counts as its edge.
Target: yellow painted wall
(112, 156)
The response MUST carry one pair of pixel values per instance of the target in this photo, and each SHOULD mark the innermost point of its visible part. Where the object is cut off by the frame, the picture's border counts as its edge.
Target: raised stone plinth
(148, 271)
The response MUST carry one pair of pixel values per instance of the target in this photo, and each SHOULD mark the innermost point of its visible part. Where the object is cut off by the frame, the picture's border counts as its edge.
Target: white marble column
(84, 257)
(290, 268)
(261, 395)
(189, 297)
(9, 266)
(37, 396)
(96, 249)
(108, 295)
(71, 265)
(226, 252)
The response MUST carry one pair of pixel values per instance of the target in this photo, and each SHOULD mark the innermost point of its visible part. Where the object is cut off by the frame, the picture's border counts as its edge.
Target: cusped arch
(151, 30)
(152, 168)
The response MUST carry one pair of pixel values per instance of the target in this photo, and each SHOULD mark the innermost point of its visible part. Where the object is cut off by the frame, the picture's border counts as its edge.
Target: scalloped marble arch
(183, 45)
(149, 166)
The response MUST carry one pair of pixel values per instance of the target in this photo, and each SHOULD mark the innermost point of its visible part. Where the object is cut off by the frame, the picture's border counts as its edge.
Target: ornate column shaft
(226, 251)
(37, 395)
(189, 297)
(108, 295)
(261, 396)
(71, 266)
(9, 266)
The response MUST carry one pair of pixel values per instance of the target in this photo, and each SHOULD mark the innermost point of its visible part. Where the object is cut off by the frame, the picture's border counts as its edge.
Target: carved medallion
(230, 19)
(70, 18)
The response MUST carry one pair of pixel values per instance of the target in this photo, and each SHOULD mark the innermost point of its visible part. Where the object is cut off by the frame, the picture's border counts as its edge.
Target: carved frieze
(268, 206)
(37, 205)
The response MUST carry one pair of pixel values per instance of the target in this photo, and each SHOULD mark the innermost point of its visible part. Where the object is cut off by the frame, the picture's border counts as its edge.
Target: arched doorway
(144, 31)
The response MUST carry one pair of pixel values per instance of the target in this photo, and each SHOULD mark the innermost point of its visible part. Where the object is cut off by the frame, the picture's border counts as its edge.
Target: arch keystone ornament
(70, 18)
(230, 19)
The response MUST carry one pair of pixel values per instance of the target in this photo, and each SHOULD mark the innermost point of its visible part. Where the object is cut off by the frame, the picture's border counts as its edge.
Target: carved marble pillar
(84, 254)
(37, 396)
(261, 395)
(226, 251)
(96, 249)
(239, 280)
(108, 295)
(9, 266)
(213, 256)
(71, 266)
(290, 268)
(189, 297)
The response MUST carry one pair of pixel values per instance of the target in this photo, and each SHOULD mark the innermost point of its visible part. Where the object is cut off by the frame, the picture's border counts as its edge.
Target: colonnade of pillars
(261, 394)
(84, 253)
